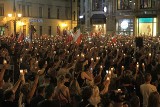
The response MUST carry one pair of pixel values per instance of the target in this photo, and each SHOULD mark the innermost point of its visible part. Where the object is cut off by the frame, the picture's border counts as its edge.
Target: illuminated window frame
(120, 5)
(142, 4)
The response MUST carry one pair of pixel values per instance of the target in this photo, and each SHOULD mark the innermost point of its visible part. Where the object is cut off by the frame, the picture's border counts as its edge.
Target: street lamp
(14, 16)
(81, 17)
(105, 11)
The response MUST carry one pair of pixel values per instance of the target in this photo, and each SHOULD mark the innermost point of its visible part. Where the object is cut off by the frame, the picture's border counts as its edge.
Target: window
(124, 4)
(74, 15)
(147, 26)
(40, 12)
(49, 30)
(124, 27)
(28, 10)
(19, 8)
(23, 10)
(66, 12)
(145, 4)
(57, 13)
(97, 5)
(83, 6)
(40, 30)
(49, 13)
(1, 10)
(24, 29)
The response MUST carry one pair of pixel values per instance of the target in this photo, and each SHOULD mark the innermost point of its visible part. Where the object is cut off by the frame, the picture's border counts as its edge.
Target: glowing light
(124, 24)
(19, 15)
(105, 9)
(9, 15)
(64, 25)
(81, 17)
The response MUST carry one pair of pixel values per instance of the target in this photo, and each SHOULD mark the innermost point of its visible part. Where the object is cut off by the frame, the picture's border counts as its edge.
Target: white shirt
(146, 90)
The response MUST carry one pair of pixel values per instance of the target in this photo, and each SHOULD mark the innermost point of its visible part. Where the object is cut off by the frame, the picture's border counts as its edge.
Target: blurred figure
(154, 100)
(147, 89)
(39, 97)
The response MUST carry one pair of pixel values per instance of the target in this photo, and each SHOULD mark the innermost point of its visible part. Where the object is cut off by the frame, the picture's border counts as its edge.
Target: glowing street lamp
(105, 9)
(14, 20)
(81, 17)
(64, 25)
(19, 15)
(9, 15)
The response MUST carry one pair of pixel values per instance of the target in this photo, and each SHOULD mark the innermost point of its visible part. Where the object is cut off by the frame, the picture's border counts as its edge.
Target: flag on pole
(77, 37)
(21, 37)
(58, 30)
(69, 36)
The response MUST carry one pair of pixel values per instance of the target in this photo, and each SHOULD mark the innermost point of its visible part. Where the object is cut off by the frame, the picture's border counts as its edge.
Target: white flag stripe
(76, 35)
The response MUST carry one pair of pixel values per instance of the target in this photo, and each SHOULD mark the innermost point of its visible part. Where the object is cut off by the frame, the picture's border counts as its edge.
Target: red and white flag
(77, 37)
(21, 37)
(69, 36)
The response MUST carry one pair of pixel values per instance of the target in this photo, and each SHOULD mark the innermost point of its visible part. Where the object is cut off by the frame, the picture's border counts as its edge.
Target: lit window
(124, 4)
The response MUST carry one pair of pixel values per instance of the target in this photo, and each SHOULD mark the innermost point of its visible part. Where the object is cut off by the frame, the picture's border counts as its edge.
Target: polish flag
(21, 37)
(69, 36)
(77, 37)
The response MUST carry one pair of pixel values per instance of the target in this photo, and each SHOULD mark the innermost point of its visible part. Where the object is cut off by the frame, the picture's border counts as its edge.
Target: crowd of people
(101, 71)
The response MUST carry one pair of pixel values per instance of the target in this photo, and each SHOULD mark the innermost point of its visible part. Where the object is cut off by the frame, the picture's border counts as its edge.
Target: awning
(98, 19)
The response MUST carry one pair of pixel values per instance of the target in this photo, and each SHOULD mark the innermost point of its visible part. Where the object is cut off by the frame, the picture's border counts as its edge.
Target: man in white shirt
(146, 89)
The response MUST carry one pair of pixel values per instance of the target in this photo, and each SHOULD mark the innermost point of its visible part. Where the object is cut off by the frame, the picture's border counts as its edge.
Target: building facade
(126, 17)
(94, 17)
(46, 16)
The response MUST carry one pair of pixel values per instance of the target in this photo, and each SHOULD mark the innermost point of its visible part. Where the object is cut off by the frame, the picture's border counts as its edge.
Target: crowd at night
(100, 71)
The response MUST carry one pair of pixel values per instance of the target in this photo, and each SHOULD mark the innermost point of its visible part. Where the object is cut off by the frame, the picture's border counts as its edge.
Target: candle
(109, 72)
(97, 58)
(21, 71)
(122, 67)
(106, 71)
(101, 66)
(4, 61)
(137, 65)
(20, 59)
(91, 59)
(112, 69)
(82, 55)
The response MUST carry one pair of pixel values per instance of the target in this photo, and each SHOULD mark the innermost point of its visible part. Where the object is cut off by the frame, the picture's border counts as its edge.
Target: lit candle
(109, 72)
(91, 59)
(20, 59)
(122, 67)
(112, 69)
(97, 58)
(4, 61)
(82, 55)
(137, 65)
(101, 66)
(21, 71)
